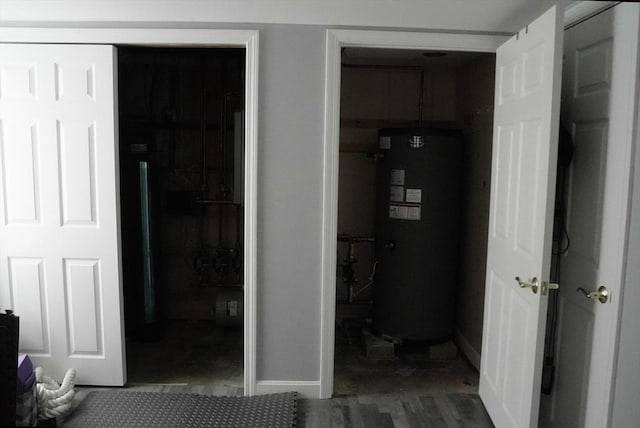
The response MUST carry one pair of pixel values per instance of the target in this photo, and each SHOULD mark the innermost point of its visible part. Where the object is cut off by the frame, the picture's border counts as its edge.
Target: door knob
(601, 293)
(533, 284)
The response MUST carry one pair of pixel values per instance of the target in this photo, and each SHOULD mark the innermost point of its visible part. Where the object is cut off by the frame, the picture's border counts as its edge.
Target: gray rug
(115, 409)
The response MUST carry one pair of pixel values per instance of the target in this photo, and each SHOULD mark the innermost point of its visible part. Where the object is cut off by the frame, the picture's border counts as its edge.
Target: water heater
(417, 221)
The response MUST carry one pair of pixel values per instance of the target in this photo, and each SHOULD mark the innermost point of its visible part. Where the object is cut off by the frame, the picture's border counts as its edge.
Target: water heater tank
(417, 222)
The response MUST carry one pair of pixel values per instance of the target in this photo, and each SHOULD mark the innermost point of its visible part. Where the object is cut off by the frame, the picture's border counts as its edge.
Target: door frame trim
(335, 40)
(247, 39)
(578, 11)
(623, 129)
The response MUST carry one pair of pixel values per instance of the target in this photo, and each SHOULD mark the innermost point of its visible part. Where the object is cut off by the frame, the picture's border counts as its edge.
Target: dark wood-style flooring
(395, 410)
(412, 390)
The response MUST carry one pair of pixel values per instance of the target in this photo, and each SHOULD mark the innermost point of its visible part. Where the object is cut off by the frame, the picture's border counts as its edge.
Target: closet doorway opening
(182, 143)
(416, 130)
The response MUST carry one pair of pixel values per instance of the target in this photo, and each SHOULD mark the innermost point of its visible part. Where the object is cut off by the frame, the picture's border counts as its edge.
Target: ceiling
(502, 16)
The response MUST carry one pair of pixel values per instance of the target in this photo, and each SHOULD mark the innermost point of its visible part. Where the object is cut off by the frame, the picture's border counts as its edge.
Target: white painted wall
(289, 201)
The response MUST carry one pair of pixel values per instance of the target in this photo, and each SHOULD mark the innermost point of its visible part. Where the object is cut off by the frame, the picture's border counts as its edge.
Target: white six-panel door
(519, 242)
(59, 227)
(597, 108)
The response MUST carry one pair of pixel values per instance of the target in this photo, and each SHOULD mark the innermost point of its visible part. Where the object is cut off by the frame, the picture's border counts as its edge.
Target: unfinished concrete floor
(191, 354)
(412, 370)
(201, 354)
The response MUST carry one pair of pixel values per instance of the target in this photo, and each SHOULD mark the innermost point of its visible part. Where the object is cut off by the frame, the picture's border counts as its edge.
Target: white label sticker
(414, 195)
(385, 142)
(398, 212)
(396, 194)
(397, 177)
(232, 308)
(413, 213)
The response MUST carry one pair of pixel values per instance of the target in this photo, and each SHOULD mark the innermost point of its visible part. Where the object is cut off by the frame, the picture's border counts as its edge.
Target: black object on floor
(9, 329)
(114, 409)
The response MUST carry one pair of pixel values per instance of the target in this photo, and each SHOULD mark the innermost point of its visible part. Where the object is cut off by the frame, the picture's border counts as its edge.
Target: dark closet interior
(181, 121)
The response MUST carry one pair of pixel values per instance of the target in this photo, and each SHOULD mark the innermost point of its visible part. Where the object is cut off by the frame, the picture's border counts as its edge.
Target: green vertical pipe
(147, 256)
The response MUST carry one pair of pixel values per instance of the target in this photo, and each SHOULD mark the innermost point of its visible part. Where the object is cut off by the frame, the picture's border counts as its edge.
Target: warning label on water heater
(404, 212)
(398, 212)
(397, 177)
(396, 194)
(413, 213)
(414, 195)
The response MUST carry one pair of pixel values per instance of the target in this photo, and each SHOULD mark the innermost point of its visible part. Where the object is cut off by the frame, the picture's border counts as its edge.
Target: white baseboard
(305, 389)
(469, 351)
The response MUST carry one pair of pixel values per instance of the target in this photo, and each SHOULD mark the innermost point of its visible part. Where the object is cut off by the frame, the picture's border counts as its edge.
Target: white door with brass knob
(597, 107)
(519, 244)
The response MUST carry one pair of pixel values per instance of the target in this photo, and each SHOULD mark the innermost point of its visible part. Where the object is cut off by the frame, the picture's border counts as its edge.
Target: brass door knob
(602, 294)
(532, 283)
